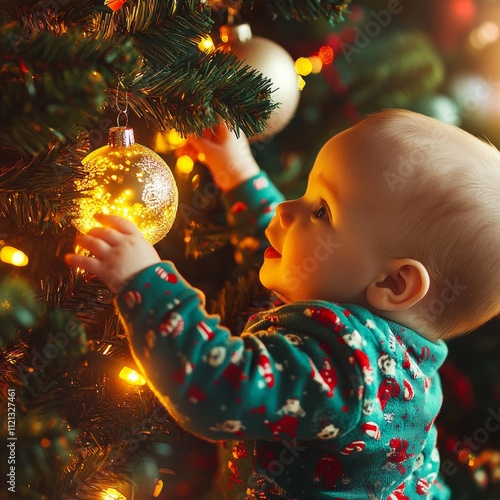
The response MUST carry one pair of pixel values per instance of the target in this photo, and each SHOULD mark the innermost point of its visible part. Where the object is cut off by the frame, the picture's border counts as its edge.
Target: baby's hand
(120, 251)
(227, 156)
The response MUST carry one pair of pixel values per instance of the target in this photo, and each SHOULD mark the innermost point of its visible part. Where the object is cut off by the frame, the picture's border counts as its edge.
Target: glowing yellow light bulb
(167, 141)
(300, 82)
(131, 376)
(224, 33)
(158, 487)
(316, 64)
(14, 256)
(206, 44)
(303, 66)
(112, 494)
(185, 164)
(175, 138)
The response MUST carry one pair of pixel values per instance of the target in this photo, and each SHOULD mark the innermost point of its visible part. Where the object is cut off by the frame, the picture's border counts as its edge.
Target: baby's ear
(405, 282)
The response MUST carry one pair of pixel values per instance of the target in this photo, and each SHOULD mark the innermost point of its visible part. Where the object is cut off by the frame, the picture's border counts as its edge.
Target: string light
(326, 55)
(316, 64)
(158, 488)
(13, 256)
(303, 66)
(112, 494)
(131, 376)
(167, 141)
(485, 34)
(184, 164)
(206, 44)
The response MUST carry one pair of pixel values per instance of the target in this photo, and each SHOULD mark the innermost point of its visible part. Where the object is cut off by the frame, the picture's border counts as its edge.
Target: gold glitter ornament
(130, 180)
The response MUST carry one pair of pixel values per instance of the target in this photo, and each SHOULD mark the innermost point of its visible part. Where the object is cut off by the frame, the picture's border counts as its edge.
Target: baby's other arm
(226, 155)
(249, 196)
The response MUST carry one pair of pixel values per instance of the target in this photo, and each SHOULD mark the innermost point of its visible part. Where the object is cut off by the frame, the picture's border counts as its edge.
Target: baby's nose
(284, 213)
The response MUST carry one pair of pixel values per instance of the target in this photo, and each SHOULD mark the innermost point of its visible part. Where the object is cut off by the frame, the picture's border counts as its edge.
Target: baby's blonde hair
(445, 184)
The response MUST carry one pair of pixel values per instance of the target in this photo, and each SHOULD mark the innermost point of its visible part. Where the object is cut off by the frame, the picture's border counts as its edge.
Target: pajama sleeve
(249, 208)
(257, 386)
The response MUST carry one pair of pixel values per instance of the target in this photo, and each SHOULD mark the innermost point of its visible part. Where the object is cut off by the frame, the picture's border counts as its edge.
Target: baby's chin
(282, 297)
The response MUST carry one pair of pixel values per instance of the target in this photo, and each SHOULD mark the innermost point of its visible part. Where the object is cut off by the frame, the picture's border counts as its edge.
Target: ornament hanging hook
(121, 105)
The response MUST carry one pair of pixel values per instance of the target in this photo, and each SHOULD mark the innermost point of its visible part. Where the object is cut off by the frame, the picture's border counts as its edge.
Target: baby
(393, 249)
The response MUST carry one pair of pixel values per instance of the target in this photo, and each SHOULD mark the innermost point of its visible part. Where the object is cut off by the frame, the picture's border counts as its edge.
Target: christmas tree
(69, 72)
(73, 427)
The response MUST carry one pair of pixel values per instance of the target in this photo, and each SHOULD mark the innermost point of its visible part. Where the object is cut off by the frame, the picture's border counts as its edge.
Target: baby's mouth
(271, 253)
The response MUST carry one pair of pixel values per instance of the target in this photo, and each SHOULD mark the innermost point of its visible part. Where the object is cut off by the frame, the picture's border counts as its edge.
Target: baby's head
(444, 185)
(413, 212)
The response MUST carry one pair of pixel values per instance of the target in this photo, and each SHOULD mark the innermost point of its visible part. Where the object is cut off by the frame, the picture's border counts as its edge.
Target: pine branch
(303, 10)
(300, 10)
(43, 441)
(36, 192)
(140, 16)
(203, 237)
(46, 171)
(62, 81)
(92, 473)
(116, 421)
(216, 87)
(180, 86)
(88, 298)
(239, 299)
(55, 85)
(55, 17)
(175, 40)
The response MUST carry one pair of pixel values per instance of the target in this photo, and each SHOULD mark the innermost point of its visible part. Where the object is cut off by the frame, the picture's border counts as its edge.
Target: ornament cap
(235, 33)
(121, 136)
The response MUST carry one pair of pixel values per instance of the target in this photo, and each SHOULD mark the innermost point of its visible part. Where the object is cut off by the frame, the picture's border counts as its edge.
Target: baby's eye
(321, 212)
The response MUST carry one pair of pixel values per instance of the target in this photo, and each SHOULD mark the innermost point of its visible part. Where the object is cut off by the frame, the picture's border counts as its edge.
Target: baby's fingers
(219, 133)
(117, 222)
(93, 244)
(107, 234)
(86, 263)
